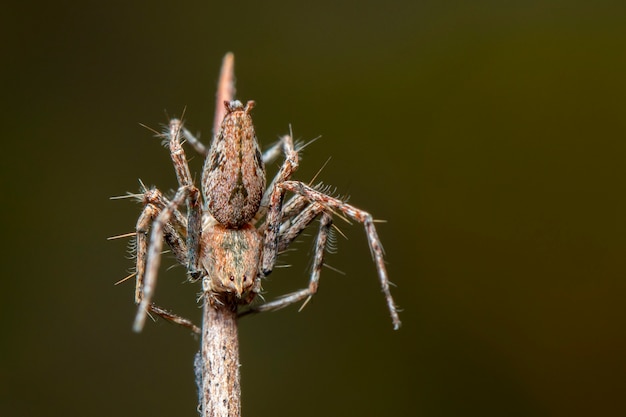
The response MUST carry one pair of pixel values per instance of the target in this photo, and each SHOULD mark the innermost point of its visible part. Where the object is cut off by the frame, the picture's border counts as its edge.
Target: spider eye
(232, 278)
(245, 278)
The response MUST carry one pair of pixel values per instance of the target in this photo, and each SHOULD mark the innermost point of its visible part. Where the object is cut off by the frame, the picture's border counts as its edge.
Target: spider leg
(174, 318)
(294, 225)
(273, 200)
(293, 207)
(195, 143)
(274, 151)
(147, 216)
(318, 262)
(335, 204)
(155, 203)
(161, 228)
(150, 256)
(285, 144)
(194, 209)
(296, 214)
(297, 218)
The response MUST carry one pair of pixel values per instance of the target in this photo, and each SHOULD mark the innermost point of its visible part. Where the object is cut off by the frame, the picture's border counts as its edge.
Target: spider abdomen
(234, 175)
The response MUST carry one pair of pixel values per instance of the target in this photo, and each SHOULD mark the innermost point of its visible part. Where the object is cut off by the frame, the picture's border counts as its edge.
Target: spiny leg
(274, 151)
(292, 151)
(147, 283)
(318, 262)
(194, 209)
(195, 143)
(147, 216)
(292, 228)
(186, 193)
(286, 146)
(292, 208)
(361, 216)
(174, 231)
(155, 203)
(297, 213)
(274, 203)
(174, 318)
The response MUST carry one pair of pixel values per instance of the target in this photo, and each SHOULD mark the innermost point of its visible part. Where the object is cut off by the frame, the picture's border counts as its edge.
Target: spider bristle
(290, 249)
(122, 236)
(131, 248)
(327, 189)
(321, 187)
(300, 144)
(164, 136)
(151, 316)
(338, 230)
(342, 217)
(305, 303)
(125, 278)
(330, 191)
(319, 171)
(332, 268)
(150, 129)
(331, 241)
(142, 187)
(127, 195)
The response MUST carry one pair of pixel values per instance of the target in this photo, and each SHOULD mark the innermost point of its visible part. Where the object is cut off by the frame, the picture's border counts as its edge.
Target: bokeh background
(490, 135)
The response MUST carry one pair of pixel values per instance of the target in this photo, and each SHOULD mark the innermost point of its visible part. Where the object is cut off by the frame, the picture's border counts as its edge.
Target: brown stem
(220, 391)
(218, 368)
(225, 90)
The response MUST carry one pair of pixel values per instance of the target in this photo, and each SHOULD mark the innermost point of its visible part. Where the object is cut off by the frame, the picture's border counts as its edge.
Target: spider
(234, 227)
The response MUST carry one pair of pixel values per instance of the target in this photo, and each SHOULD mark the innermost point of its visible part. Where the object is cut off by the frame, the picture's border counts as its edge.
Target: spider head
(232, 262)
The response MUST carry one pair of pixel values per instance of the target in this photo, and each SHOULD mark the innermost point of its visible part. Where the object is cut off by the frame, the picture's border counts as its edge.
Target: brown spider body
(229, 233)
(233, 182)
(218, 241)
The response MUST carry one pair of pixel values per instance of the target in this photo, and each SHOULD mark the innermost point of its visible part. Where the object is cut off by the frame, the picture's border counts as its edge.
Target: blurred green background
(490, 135)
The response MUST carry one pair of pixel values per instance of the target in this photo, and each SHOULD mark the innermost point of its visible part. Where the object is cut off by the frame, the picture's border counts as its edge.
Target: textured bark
(220, 391)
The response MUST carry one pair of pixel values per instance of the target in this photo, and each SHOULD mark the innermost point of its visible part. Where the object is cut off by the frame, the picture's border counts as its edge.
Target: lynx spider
(234, 228)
